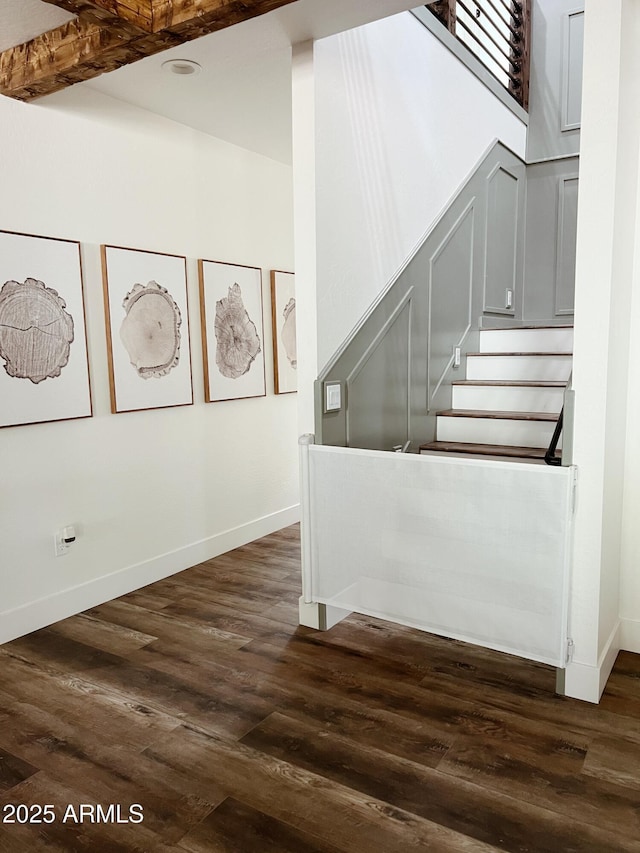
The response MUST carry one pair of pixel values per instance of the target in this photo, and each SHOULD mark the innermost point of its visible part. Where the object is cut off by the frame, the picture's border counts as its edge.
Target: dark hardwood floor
(200, 699)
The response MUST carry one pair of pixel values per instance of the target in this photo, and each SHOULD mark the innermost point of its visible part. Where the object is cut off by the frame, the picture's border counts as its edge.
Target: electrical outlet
(64, 539)
(61, 547)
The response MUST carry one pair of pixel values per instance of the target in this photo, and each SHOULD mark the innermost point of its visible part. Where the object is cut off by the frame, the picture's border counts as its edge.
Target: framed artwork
(147, 323)
(232, 331)
(44, 368)
(283, 314)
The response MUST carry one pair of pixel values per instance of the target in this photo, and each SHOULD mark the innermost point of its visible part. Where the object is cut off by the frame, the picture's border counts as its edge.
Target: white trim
(555, 158)
(630, 635)
(585, 682)
(306, 550)
(45, 611)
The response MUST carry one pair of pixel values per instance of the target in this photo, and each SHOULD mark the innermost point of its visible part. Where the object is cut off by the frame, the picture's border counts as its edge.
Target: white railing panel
(471, 549)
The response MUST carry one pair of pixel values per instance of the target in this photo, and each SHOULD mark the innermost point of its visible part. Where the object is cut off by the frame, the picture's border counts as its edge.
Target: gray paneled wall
(450, 297)
(503, 227)
(556, 78)
(550, 253)
(384, 364)
(397, 367)
(553, 145)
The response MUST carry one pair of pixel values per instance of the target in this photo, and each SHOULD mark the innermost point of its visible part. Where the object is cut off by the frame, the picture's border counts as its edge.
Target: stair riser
(526, 340)
(539, 368)
(495, 431)
(517, 399)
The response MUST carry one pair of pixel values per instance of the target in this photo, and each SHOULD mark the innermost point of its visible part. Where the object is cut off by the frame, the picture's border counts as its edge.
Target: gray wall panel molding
(449, 313)
(571, 104)
(567, 220)
(379, 337)
(362, 428)
(387, 366)
(556, 78)
(549, 248)
(502, 229)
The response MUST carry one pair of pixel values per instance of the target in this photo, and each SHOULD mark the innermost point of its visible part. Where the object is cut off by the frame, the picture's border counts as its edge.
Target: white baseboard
(45, 611)
(630, 635)
(585, 682)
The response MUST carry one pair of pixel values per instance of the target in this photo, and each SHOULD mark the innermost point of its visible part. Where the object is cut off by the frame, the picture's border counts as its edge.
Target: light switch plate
(332, 396)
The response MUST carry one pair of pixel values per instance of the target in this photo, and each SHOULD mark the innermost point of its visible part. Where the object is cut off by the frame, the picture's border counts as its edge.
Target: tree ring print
(237, 339)
(288, 333)
(150, 331)
(36, 332)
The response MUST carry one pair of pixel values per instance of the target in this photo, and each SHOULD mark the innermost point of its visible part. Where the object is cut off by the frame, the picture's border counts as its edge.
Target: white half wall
(399, 125)
(151, 492)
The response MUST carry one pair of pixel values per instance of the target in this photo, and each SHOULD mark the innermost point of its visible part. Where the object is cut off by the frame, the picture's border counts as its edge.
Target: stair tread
(497, 414)
(502, 354)
(485, 449)
(520, 328)
(511, 383)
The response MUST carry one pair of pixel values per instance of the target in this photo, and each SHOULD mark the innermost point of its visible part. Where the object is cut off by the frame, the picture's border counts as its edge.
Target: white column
(304, 213)
(604, 264)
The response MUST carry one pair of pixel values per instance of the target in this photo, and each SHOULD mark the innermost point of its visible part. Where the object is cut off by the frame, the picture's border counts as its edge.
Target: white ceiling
(243, 94)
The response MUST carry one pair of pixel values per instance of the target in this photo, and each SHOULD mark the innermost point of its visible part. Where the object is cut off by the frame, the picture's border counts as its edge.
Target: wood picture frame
(232, 331)
(146, 308)
(283, 326)
(43, 334)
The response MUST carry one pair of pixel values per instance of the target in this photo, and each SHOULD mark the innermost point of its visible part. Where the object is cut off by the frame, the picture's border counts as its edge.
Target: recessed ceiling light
(183, 67)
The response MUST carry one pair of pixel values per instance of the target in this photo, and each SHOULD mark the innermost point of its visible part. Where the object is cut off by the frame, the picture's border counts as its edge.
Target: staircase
(509, 402)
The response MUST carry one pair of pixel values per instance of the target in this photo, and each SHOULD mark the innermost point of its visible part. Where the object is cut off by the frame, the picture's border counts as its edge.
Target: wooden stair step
(509, 416)
(520, 328)
(520, 354)
(484, 449)
(511, 383)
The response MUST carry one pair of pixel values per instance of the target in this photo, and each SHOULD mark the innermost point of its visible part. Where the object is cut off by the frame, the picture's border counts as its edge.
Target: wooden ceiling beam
(138, 13)
(193, 18)
(69, 54)
(111, 33)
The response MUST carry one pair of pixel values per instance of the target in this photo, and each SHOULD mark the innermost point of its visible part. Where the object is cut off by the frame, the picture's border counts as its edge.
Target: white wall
(400, 124)
(151, 492)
